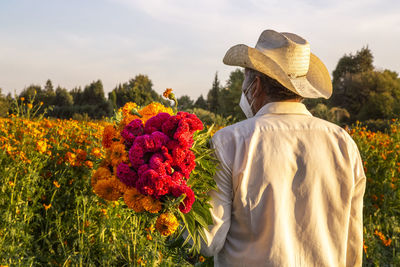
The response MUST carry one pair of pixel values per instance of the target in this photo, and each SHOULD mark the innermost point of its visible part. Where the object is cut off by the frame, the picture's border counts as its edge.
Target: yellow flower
(128, 107)
(46, 207)
(150, 204)
(153, 109)
(30, 105)
(141, 262)
(41, 146)
(132, 199)
(22, 98)
(96, 152)
(202, 259)
(166, 224)
(108, 189)
(11, 183)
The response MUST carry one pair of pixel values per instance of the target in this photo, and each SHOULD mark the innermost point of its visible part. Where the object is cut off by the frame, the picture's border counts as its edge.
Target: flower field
(49, 214)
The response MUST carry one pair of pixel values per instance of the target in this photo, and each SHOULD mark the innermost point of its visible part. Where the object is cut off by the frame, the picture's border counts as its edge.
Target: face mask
(244, 104)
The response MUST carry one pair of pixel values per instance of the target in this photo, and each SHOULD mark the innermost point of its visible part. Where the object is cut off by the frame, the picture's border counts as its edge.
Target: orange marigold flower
(365, 247)
(46, 207)
(56, 184)
(118, 154)
(109, 134)
(100, 174)
(89, 164)
(167, 224)
(141, 262)
(167, 92)
(108, 189)
(70, 158)
(387, 242)
(22, 98)
(132, 199)
(29, 105)
(81, 154)
(202, 259)
(149, 237)
(150, 204)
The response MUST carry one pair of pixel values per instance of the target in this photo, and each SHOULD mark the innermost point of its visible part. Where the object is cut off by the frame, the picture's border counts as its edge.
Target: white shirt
(290, 193)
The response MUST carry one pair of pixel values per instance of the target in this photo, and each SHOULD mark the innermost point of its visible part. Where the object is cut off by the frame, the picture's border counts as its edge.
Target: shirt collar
(283, 108)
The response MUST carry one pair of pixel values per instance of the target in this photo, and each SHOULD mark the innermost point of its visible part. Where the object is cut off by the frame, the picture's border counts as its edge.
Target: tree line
(361, 92)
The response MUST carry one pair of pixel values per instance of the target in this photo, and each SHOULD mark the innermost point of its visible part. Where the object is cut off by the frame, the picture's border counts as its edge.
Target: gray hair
(274, 90)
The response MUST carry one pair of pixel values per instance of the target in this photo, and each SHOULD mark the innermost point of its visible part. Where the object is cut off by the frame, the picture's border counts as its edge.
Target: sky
(179, 44)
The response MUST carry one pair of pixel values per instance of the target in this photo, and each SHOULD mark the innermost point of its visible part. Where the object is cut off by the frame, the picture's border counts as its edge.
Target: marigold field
(49, 214)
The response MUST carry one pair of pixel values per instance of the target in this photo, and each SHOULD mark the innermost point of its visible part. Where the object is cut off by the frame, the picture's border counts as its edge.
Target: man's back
(291, 188)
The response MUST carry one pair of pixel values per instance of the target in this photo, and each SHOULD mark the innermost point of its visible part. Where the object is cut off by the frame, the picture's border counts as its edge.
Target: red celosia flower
(133, 129)
(188, 201)
(153, 184)
(157, 163)
(126, 174)
(155, 123)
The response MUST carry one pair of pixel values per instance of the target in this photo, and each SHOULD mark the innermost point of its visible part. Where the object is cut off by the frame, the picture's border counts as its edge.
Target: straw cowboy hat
(285, 57)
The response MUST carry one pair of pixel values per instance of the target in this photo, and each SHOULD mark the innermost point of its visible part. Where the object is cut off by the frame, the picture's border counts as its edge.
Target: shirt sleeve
(221, 202)
(355, 231)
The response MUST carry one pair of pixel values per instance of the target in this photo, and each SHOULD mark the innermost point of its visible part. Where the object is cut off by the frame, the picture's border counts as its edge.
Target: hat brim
(316, 83)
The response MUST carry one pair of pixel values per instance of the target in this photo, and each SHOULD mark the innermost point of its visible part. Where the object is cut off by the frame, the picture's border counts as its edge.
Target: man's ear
(257, 88)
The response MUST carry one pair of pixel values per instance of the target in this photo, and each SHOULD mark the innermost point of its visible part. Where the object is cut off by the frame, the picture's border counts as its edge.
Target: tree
(63, 97)
(5, 105)
(360, 62)
(230, 96)
(93, 94)
(201, 103)
(364, 92)
(48, 94)
(185, 103)
(138, 90)
(213, 96)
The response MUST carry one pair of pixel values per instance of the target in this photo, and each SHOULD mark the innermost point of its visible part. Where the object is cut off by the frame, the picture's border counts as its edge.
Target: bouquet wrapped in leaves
(159, 163)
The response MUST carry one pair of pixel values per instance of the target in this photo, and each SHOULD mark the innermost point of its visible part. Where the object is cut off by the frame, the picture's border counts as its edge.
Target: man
(290, 185)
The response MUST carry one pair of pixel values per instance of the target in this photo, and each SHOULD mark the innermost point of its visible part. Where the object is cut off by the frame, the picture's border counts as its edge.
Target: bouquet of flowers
(159, 162)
